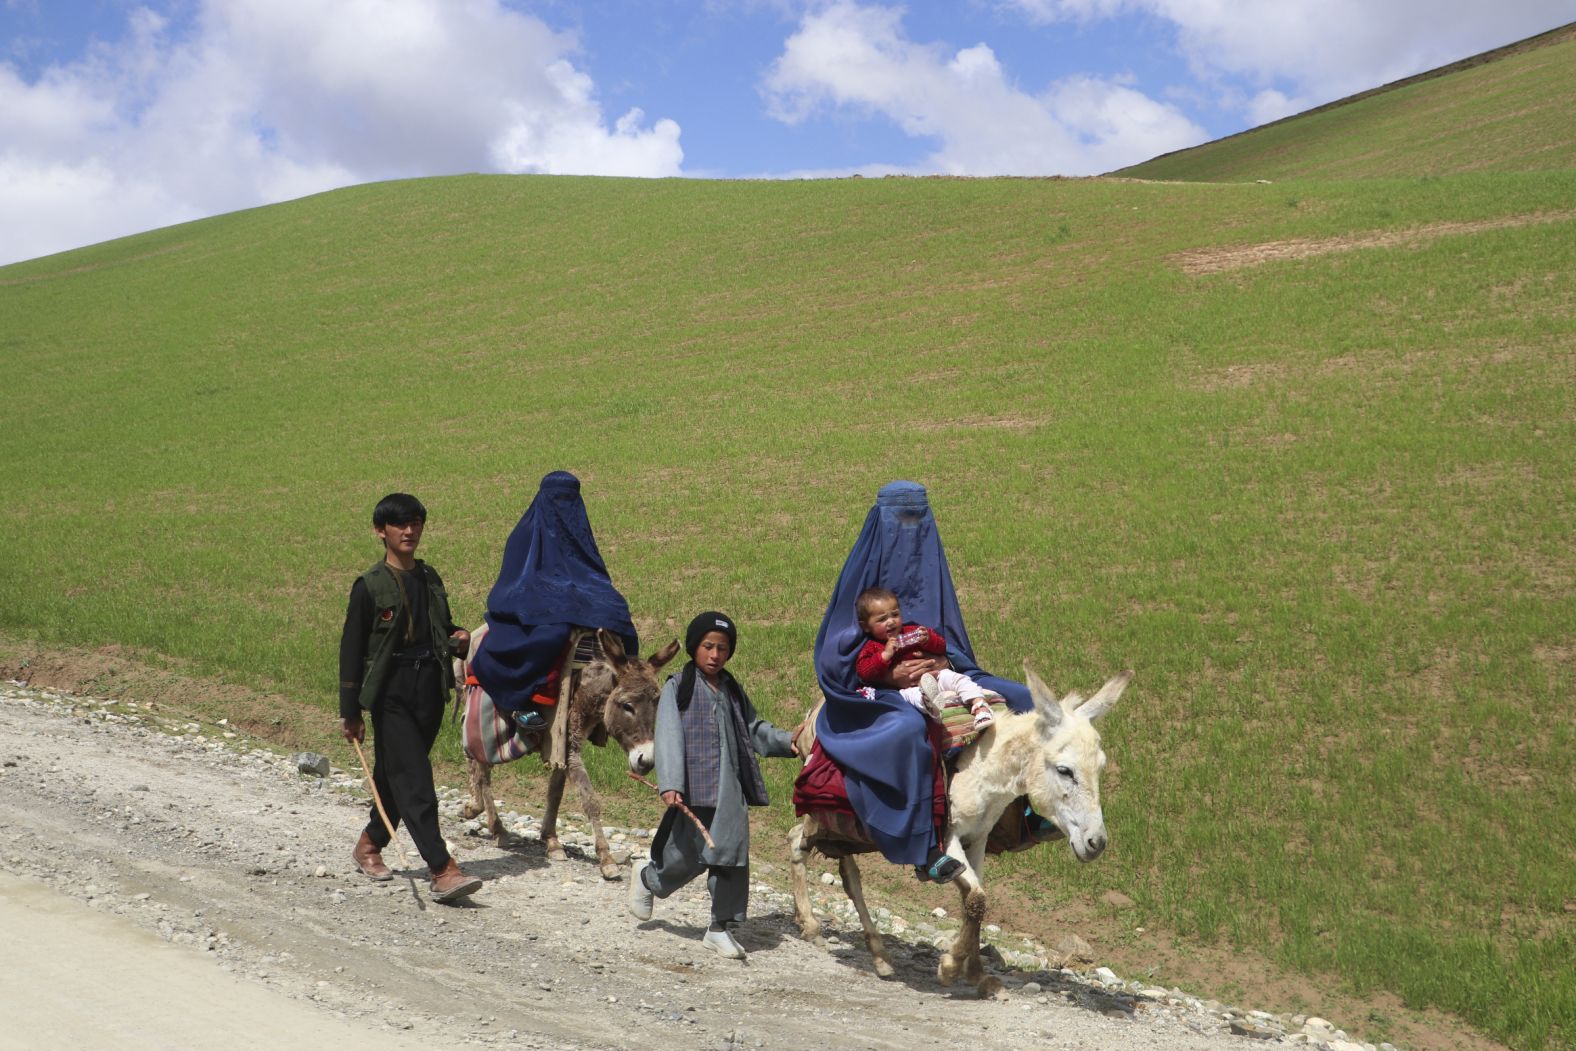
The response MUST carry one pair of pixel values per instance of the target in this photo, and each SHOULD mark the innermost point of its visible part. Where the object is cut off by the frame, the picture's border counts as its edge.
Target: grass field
(1510, 113)
(1323, 504)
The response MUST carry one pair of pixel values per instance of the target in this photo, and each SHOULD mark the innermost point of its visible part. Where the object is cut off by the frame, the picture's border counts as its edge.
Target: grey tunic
(729, 821)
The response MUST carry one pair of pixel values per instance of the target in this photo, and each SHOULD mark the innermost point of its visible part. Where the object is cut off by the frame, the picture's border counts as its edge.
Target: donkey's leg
(964, 956)
(477, 776)
(856, 894)
(803, 913)
(591, 806)
(493, 823)
(555, 796)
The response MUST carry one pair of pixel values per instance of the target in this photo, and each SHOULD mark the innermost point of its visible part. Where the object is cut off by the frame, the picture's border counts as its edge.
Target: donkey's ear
(1106, 699)
(665, 654)
(1045, 701)
(612, 647)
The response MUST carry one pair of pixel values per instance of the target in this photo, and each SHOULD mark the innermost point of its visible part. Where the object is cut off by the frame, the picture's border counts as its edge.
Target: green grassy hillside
(1508, 110)
(1321, 500)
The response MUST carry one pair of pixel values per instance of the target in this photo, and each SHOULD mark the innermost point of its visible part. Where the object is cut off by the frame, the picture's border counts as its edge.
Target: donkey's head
(1066, 791)
(629, 714)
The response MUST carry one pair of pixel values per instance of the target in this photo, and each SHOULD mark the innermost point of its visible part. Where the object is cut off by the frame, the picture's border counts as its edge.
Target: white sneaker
(723, 944)
(640, 896)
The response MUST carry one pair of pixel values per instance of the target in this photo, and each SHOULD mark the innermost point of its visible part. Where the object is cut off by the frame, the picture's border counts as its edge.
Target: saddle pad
(958, 721)
(819, 786)
(487, 734)
(820, 789)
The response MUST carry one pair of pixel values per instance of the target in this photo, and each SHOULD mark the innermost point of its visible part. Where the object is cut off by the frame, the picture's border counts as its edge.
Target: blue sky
(120, 116)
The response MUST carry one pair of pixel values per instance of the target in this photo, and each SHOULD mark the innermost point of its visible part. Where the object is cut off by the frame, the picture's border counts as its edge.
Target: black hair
(868, 598)
(398, 509)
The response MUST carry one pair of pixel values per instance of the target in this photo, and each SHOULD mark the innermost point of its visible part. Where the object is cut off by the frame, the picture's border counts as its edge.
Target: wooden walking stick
(687, 811)
(377, 800)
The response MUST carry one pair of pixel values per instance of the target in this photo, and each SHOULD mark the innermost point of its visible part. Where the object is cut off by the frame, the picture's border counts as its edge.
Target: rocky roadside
(241, 855)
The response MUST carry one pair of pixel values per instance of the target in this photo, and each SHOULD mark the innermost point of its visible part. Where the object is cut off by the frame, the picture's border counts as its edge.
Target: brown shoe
(369, 859)
(450, 884)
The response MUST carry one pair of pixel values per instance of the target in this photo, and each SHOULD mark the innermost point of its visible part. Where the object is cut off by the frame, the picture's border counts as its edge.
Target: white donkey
(1052, 755)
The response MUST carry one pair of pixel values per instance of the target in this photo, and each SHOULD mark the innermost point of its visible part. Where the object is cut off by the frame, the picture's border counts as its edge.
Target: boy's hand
(673, 798)
(460, 642)
(353, 729)
(890, 650)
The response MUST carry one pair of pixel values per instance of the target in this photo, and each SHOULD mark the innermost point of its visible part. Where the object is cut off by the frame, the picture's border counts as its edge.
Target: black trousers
(405, 723)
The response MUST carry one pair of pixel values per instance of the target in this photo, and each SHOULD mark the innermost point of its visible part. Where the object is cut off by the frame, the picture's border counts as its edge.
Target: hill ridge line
(1557, 35)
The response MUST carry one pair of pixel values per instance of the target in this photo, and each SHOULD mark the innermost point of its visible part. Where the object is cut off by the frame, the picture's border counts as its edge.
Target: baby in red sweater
(890, 641)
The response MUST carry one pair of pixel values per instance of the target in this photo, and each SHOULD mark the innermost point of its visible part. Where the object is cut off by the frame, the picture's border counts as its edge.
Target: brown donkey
(616, 698)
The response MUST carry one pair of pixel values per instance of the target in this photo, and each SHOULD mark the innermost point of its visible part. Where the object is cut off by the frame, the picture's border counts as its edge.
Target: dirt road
(168, 886)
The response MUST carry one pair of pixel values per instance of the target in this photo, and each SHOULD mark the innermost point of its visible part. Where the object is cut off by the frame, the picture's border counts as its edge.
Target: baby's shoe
(982, 714)
(938, 868)
(722, 942)
(929, 691)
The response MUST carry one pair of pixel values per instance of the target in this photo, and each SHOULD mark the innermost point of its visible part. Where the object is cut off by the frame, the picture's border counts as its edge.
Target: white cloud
(858, 57)
(264, 100)
(1269, 105)
(1321, 49)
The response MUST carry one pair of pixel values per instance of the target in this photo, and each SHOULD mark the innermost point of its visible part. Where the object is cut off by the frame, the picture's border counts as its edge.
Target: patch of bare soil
(1217, 258)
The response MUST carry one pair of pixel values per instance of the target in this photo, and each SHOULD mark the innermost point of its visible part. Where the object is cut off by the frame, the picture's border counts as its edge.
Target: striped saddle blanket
(487, 733)
(958, 721)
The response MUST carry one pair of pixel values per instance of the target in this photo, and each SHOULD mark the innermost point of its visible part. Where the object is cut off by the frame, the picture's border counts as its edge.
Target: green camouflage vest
(388, 600)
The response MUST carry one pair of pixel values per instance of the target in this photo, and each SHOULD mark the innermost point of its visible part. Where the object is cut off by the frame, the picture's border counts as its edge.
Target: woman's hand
(353, 730)
(908, 672)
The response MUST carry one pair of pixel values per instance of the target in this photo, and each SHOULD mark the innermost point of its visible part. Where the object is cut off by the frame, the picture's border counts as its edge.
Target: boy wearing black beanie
(707, 737)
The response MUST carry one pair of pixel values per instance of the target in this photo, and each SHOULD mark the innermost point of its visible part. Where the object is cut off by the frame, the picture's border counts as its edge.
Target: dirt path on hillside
(1217, 258)
(201, 893)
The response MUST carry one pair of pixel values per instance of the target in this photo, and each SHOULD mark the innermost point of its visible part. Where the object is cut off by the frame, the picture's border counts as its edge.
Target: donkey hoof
(883, 968)
(470, 810)
(947, 970)
(555, 852)
(611, 872)
(992, 989)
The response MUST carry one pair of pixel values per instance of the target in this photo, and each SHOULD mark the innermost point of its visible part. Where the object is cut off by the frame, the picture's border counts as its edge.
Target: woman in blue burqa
(553, 580)
(882, 744)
